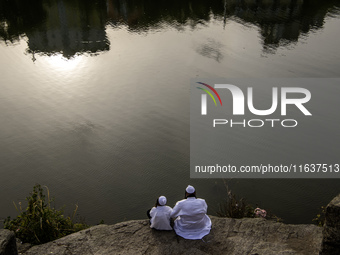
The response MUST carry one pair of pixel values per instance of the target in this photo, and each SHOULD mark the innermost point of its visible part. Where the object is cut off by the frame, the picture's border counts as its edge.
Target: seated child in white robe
(160, 215)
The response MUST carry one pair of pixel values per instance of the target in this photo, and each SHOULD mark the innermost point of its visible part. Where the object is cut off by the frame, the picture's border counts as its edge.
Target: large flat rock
(228, 236)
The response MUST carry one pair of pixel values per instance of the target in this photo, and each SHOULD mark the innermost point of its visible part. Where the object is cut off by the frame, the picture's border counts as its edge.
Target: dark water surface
(94, 97)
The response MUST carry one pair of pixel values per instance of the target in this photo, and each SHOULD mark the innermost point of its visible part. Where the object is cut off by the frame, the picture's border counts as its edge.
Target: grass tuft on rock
(39, 222)
(233, 207)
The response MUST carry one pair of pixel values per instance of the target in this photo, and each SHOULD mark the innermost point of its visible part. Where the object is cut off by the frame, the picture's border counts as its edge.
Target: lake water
(94, 99)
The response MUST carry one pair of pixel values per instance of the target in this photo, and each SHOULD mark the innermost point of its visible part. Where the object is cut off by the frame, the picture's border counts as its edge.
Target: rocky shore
(228, 236)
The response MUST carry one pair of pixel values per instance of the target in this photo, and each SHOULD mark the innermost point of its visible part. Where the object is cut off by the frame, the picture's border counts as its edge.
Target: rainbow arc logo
(204, 97)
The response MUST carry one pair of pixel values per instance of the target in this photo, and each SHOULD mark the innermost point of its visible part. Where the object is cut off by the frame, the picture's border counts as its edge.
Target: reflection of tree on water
(71, 28)
(67, 27)
(280, 21)
(74, 27)
(141, 15)
(19, 17)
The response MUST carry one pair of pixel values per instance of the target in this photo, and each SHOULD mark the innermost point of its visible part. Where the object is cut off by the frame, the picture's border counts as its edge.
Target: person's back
(192, 221)
(160, 215)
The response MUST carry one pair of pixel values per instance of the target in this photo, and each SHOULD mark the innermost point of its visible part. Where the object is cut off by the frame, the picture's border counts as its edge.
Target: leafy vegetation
(233, 207)
(320, 217)
(39, 222)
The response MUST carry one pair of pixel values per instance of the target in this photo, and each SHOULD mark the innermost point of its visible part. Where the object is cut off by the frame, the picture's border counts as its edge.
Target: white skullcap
(190, 189)
(162, 200)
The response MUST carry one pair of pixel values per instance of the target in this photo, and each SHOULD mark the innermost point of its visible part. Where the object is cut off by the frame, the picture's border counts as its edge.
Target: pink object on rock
(260, 213)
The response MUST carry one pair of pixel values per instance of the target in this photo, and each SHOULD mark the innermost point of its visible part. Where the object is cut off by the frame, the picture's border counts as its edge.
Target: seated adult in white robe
(191, 222)
(160, 215)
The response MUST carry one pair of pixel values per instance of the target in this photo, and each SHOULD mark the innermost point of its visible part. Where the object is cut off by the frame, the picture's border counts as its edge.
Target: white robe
(192, 221)
(160, 217)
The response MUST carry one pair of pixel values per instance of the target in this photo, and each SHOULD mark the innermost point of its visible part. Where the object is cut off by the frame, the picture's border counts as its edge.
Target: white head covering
(190, 189)
(162, 200)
